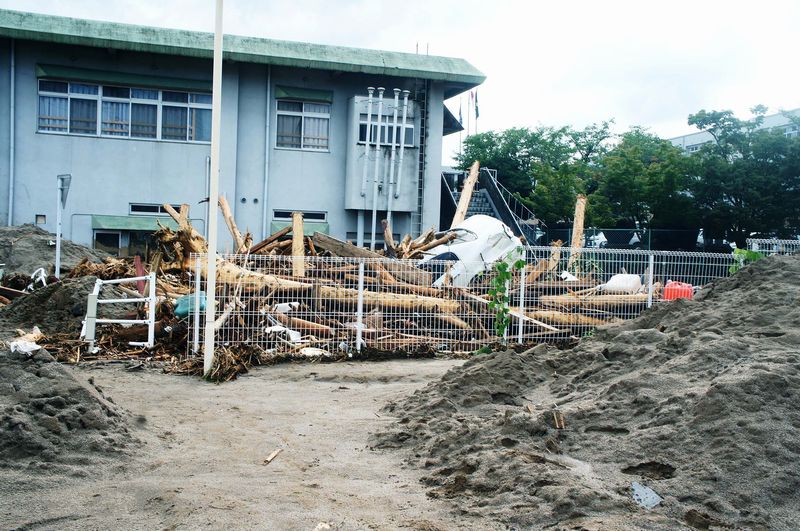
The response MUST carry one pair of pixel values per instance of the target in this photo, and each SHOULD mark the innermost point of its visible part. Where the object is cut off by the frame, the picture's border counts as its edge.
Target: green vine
(499, 293)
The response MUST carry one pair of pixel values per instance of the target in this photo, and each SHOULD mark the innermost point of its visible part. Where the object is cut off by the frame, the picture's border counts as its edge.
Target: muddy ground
(198, 462)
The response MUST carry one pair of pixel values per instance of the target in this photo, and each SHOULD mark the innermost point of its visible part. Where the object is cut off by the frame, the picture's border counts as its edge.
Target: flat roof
(82, 32)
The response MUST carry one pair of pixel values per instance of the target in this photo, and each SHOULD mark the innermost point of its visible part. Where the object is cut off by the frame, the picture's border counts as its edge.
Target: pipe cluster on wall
(395, 162)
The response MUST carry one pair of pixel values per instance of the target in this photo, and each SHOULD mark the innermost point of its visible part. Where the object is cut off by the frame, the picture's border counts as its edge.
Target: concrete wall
(110, 173)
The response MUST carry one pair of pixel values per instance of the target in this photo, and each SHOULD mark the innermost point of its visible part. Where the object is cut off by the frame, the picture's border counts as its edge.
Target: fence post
(521, 304)
(151, 315)
(650, 280)
(197, 286)
(360, 309)
(506, 305)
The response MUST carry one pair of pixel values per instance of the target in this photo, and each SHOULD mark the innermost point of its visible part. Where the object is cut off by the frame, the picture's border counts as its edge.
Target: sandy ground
(201, 464)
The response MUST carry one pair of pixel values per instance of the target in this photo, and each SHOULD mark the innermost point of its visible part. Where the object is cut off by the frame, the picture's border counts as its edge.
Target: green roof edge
(81, 32)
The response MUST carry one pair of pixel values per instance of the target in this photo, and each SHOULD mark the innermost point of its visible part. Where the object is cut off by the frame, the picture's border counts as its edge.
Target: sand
(200, 464)
(25, 248)
(697, 400)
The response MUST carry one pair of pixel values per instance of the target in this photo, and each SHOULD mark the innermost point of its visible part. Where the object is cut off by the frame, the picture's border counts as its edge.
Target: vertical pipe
(11, 132)
(365, 170)
(360, 307)
(197, 285)
(402, 145)
(58, 227)
(208, 198)
(650, 281)
(264, 232)
(360, 229)
(377, 170)
(390, 195)
(213, 193)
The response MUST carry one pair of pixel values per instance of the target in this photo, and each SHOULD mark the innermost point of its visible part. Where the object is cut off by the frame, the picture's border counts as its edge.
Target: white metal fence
(771, 246)
(349, 305)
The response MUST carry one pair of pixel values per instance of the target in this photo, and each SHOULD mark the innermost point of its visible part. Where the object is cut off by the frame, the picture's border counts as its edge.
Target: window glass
(116, 92)
(317, 107)
(144, 94)
(115, 118)
(293, 106)
(144, 120)
(52, 113)
(82, 88)
(200, 98)
(52, 86)
(173, 123)
(289, 131)
(176, 97)
(83, 116)
(315, 133)
(200, 124)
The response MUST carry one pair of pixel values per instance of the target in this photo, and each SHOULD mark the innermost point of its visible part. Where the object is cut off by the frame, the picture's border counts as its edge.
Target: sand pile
(60, 307)
(25, 248)
(50, 420)
(697, 400)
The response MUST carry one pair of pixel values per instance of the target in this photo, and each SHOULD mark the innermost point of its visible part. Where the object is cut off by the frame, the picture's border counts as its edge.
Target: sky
(640, 63)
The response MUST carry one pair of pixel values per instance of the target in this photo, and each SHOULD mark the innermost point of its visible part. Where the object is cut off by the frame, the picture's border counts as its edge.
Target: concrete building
(126, 111)
(694, 141)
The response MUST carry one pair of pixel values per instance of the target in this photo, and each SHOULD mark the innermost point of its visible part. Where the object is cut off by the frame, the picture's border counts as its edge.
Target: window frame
(386, 126)
(190, 105)
(303, 114)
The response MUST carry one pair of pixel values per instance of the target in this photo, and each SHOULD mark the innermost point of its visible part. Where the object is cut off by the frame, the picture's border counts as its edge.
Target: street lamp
(64, 181)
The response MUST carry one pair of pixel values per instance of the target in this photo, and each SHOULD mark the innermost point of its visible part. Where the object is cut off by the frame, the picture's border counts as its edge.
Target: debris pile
(690, 409)
(26, 248)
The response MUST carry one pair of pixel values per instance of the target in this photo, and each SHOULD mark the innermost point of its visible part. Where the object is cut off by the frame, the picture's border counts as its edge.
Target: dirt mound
(48, 419)
(60, 307)
(25, 248)
(696, 400)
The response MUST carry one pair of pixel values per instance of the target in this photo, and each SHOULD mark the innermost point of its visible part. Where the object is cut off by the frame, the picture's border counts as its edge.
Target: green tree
(643, 181)
(748, 178)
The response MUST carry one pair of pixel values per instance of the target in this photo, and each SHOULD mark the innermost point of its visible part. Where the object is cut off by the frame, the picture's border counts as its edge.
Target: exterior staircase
(492, 199)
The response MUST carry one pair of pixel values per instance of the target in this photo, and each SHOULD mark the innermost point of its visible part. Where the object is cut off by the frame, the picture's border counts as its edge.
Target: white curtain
(315, 133)
(288, 134)
(52, 113)
(115, 118)
(83, 116)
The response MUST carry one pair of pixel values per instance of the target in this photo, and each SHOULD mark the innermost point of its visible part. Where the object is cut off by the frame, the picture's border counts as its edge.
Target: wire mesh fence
(318, 306)
(771, 246)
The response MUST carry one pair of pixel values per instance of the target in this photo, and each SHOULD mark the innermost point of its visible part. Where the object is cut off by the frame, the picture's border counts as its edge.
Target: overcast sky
(547, 63)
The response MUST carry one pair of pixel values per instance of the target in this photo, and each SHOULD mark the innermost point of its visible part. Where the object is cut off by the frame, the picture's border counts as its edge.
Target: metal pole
(377, 170)
(213, 194)
(365, 169)
(360, 308)
(197, 285)
(521, 304)
(390, 195)
(151, 316)
(58, 227)
(402, 146)
(650, 281)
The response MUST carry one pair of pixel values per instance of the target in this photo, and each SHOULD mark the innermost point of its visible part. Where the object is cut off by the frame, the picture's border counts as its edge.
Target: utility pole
(213, 195)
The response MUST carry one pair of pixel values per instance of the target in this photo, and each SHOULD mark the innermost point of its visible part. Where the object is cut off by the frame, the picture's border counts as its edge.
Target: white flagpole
(213, 195)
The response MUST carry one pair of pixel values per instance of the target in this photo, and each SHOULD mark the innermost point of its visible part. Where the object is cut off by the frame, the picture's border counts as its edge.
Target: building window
(108, 241)
(286, 215)
(303, 125)
(386, 131)
(123, 112)
(150, 209)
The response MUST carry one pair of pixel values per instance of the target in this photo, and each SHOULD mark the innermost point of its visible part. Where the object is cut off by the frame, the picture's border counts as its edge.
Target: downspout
(390, 195)
(377, 170)
(402, 145)
(370, 90)
(11, 131)
(264, 232)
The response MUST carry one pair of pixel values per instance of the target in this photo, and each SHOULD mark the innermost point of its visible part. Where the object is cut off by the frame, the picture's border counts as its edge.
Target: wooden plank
(298, 246)
(577, 231)
(405, 272)
(466, 194)
(274, 236)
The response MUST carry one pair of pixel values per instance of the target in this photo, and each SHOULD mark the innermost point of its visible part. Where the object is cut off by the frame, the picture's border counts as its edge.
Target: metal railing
(346, 305)
(772, 246)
